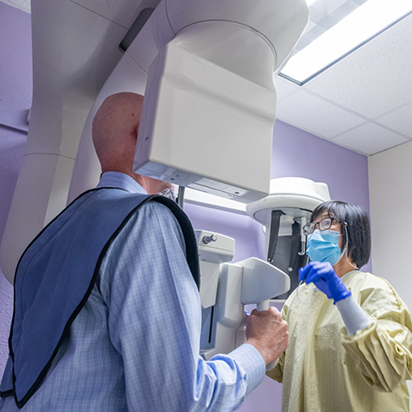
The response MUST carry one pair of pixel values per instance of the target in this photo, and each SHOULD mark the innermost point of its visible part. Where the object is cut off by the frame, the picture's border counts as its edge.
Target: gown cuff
(353, 315)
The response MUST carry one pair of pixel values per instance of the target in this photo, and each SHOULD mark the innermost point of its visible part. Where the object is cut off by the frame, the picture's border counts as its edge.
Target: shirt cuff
(252, 362)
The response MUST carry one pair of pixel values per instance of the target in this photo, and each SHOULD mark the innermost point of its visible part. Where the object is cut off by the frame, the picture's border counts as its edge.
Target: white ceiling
(363, 102)
(19, 4)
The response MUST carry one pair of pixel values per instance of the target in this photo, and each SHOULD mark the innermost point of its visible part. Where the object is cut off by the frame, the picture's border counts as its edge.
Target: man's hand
(267, 332)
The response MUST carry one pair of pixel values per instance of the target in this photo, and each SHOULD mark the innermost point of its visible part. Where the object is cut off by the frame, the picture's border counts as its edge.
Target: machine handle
(265, 306)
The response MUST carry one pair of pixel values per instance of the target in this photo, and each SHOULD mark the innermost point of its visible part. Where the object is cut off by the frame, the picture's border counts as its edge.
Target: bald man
(107, 310)
(115, 128)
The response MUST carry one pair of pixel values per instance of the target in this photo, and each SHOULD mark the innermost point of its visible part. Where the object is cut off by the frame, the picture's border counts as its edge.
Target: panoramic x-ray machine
(206, 70)
(227, 287)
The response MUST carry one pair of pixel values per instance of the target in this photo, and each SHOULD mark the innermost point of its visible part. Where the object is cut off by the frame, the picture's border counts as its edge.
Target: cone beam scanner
(77, 63)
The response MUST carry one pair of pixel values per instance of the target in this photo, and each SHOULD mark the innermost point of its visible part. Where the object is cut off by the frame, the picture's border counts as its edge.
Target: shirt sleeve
(155, 323)
(382, 351)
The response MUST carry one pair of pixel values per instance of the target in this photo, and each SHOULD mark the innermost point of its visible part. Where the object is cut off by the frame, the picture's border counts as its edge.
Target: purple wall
(295, 154)
(16, 57)
(15, 92)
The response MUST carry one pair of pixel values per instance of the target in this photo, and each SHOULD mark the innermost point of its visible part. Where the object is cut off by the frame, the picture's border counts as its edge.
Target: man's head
(114, 131)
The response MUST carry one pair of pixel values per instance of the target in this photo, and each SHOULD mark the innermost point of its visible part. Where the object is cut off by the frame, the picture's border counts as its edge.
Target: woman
(350, 334)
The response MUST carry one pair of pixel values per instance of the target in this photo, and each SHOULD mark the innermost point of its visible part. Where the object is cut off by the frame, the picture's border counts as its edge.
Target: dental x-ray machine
(206, 70)
(227, 287)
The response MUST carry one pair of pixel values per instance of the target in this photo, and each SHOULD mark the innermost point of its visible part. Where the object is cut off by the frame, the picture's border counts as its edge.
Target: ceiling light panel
(324, 14)
(337, 28)
(374, 80)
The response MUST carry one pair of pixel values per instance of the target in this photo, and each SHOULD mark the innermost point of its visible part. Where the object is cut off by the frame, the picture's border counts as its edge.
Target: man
(107, 311)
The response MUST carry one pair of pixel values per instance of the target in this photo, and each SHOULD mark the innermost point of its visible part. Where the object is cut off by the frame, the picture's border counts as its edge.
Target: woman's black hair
(357, 225)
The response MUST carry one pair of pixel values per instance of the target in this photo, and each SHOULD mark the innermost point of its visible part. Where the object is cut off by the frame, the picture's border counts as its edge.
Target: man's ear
(137, 130)
(136, 133)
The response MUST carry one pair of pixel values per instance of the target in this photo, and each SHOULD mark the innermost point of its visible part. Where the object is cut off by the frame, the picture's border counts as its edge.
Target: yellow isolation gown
(326, 370)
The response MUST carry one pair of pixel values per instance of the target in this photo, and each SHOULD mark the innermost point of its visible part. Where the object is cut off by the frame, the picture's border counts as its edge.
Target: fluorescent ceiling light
(357, 28)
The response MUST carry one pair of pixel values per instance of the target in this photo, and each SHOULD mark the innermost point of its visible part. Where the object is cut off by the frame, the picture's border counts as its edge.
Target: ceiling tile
(369, 139)
(327, 6)
(284, 87)
(19, 4)
(315, 115)
(376, 78)
(399, 120)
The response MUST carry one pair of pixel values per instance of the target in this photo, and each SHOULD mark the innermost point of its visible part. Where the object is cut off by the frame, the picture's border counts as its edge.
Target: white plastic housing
(212, 253)
(262, 281)
(293, 195)
(220, 333)
(201, 123)
(249, 281)
(210, 95)
(280, 22)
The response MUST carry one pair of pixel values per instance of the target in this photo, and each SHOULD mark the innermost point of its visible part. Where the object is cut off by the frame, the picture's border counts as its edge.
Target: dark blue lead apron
(66, 257)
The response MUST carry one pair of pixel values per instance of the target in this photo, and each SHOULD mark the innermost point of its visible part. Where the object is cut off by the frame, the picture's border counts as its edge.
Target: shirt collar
(122, 181)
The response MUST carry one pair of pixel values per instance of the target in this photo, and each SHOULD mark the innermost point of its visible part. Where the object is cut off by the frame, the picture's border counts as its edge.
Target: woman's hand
(325, 279)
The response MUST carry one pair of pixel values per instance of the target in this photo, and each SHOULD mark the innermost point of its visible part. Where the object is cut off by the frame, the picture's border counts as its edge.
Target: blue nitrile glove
(325, 279)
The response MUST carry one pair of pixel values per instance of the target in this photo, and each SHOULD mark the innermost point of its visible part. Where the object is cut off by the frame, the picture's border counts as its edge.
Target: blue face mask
(322, 246)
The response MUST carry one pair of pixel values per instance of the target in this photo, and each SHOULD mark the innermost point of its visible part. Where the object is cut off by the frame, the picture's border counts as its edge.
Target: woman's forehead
(322, 215)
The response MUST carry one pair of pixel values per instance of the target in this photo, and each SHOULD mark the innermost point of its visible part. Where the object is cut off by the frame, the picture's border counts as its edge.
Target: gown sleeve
(277, 372)
(382, 351)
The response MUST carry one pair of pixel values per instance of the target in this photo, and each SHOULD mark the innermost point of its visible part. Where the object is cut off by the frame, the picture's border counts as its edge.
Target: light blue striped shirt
(135, 344)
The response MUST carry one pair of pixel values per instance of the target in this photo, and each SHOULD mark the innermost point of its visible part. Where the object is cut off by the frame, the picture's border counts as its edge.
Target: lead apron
(66, 257)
